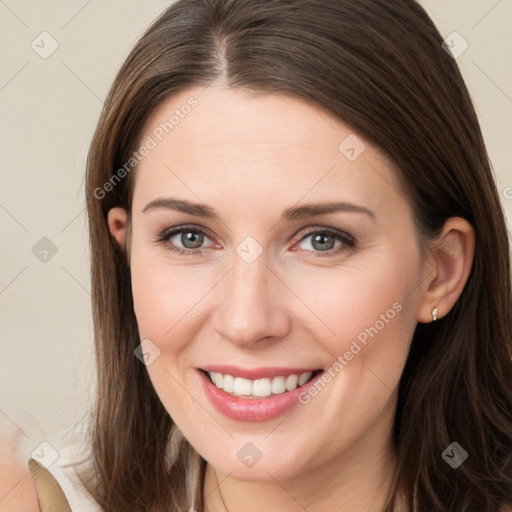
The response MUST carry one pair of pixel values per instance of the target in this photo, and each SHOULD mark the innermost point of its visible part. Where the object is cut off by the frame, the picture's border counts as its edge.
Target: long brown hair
(379, 66)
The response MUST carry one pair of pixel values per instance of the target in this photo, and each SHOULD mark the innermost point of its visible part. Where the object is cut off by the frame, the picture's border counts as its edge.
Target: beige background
(48, 111)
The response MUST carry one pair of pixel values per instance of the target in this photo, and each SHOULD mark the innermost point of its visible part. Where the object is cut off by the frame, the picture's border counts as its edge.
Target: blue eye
(191, 239)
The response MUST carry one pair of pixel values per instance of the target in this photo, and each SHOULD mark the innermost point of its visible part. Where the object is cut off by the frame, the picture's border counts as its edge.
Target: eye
(323, 241)
(190, 238)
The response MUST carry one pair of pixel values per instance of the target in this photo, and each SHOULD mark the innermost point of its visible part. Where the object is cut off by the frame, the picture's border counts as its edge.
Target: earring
(434, 314)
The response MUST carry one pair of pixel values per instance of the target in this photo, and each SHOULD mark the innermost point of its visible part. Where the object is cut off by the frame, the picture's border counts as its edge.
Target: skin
(250, 157)
(17, 489)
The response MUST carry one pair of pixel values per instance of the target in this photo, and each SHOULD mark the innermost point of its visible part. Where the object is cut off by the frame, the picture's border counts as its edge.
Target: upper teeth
(239, 386)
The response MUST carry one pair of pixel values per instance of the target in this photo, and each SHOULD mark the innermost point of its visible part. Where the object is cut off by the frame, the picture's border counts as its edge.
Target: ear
(453, 254)
(117, 225)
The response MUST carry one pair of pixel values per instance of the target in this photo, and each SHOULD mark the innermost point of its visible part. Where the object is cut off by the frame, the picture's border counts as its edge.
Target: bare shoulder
(17, 489)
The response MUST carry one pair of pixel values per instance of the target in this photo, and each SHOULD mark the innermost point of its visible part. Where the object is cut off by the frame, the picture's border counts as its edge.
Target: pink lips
(255, 409)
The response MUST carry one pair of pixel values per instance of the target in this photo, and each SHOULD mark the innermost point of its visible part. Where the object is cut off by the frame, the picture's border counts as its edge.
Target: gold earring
(434, 314)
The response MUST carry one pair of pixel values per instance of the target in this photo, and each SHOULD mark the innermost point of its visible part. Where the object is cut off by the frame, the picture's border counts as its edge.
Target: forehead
(232, 143)
(223, 115)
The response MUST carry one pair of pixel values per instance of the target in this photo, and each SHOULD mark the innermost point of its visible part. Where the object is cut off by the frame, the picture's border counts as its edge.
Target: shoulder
(50, 494)
(58, 466)
(45, 478)
(17, 488)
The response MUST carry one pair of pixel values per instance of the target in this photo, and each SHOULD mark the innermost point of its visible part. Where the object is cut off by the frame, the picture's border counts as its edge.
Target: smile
(259, 388)
(255, 395)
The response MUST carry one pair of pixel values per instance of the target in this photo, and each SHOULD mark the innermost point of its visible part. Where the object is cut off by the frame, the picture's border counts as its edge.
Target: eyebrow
(290, 214)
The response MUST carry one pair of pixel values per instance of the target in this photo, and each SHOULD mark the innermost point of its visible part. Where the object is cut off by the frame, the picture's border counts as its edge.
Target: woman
(300, 268)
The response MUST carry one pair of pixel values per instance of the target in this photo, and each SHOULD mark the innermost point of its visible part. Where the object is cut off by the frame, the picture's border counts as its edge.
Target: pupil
(320, 238)
(189, 237)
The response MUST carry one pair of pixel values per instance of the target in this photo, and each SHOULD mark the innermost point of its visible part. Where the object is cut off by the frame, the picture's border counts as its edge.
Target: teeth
(240, 387)
(218, 379)
(303, 378)
(291, 382)
(278, 385)
(262, 387)
(228, 383)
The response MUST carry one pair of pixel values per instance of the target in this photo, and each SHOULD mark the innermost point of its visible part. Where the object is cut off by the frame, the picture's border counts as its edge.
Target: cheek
(369, 299)
(371, 313)
(165, 296)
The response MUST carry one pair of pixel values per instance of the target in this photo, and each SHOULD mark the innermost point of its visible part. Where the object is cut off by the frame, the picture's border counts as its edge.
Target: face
(265, 292)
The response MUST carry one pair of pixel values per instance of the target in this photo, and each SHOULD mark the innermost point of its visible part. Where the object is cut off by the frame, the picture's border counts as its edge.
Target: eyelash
(348, 241)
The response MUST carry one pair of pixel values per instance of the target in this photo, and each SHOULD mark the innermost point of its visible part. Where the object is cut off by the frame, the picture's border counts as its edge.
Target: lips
(253, 409)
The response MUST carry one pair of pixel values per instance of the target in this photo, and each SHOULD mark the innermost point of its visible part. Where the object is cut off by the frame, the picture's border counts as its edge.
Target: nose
(252, 304)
